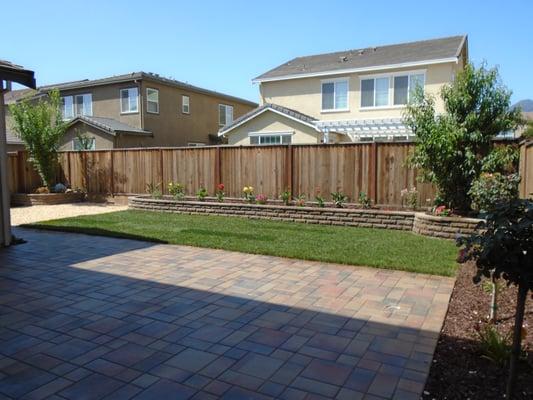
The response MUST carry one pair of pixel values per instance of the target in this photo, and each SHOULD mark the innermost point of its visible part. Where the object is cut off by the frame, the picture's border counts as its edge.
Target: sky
(222, 45)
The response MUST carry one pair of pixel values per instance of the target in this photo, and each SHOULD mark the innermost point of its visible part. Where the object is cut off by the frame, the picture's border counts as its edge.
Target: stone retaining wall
(33, 199)
(421, 223)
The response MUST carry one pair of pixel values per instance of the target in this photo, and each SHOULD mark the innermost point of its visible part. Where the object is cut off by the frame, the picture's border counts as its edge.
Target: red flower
(220, 186)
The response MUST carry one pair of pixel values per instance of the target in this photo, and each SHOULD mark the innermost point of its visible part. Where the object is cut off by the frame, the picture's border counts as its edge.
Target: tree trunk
(517, 338)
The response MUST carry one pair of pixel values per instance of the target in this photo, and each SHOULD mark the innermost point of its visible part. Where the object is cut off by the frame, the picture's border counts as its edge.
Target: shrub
(220, 192)
(286, 197)
(409, 197)
(261, 198)
(493, 345)
(300, 200)
(339, 199)
(153, 189)
(490, 189)
(451, 147)
(248, 194)
(201, 194)
(41, 127)
(176, 190)
(319, 199)
(503, 248)
(364, 200)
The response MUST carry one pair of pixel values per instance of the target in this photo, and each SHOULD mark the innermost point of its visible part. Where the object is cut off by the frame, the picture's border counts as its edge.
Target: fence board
(191, 167)
(526, 169)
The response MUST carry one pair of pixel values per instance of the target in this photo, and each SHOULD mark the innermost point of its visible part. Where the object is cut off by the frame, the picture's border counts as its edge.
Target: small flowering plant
(319, 198)
(220, 192)
(410, 197)
(176, 190)
(248, 194)
(442, 211)
(201, 194)
(300, 200)
(339, 199)
(364, 200)
(286, 197)
(261, 198)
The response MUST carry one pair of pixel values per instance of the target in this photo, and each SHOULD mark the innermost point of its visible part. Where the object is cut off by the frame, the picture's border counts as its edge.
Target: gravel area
(28, 215)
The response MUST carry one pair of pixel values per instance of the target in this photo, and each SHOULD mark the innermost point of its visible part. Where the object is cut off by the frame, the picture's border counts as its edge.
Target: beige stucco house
(348, 96)
(139, 110)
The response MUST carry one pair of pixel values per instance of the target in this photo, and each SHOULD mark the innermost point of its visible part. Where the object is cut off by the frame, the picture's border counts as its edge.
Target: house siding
(305, 94)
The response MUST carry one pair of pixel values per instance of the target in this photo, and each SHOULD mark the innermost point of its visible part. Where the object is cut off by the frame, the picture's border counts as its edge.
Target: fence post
(374, 173)
(112, 178)
(161, 168)
(289, 167)
(218, 169)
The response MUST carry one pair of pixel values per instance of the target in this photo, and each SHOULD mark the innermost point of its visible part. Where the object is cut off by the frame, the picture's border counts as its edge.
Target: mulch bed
(459, 371)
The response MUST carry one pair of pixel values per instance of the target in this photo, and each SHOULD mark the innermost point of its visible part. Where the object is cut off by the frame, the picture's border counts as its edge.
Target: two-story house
(348, 96)
(142, 110)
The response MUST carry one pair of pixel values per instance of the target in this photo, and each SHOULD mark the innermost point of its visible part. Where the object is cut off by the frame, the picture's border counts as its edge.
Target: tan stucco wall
(103, 141)
(305, 95)
(106, 102)
(270, 122)
(171, 127)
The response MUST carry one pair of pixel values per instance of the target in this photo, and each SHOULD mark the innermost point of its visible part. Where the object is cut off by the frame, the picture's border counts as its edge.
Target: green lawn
(347, 245)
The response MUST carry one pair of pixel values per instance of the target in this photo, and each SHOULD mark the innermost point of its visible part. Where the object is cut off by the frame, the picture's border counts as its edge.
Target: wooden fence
(526, 169)
(377, 169)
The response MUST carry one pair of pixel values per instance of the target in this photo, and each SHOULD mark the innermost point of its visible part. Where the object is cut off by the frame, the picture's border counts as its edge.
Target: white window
(152, 99)
(129, 100)
(225, 115)
(375, 92)
(270, 138)
(405, 87)
(335, 95)
(83, 104)
(185, 104)
(89, 144)
(67, 107)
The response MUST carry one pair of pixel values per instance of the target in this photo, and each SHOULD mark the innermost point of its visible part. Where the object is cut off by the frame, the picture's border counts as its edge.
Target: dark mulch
(459, 371)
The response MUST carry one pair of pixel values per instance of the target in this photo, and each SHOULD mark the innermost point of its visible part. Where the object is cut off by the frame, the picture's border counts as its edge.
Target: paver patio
(84, 317)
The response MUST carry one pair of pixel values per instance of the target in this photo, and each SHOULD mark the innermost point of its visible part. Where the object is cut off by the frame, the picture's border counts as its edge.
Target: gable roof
(85, 83)
(286, 112)
(423, 52)
(109, 125)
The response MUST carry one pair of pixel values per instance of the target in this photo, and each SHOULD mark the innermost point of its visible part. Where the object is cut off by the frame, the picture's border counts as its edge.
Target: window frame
(261, 135)
(226, 106)
(93, 144)
(120, 99)
(75, 103)
(391, 77)
(148, 101)
(72, 108)
(183, 97)
(335, 81)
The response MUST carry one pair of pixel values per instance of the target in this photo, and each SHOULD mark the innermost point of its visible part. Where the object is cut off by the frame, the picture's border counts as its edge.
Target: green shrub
(176, 190)
(286, 197)
(364, 200)
(490, 189)
(201, 194)
(493, 345)
(339, 199)
(153, 189)
(319, 198)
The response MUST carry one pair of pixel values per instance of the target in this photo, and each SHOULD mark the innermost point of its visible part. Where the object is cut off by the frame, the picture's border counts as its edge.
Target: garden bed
(31, 199)
(419, 222)
(459, 370)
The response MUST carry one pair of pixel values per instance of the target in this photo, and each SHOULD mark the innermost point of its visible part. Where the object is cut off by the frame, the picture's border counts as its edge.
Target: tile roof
(283, 110)
(110, 125)
(425, 50)
(139, 76)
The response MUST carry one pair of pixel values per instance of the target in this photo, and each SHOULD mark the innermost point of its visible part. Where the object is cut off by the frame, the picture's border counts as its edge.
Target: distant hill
(526, 105)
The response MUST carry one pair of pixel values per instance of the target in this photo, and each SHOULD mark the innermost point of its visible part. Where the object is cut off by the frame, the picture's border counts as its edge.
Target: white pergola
(367, 129)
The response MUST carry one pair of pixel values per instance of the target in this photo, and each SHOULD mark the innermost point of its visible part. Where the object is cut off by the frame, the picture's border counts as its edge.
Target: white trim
(183, 96)
(226, 107)
(75, 96)
(354, 70)
(148, 101)
(334, 81)
(311, 125)
(120, 99)
(271, 133)
(393, 74)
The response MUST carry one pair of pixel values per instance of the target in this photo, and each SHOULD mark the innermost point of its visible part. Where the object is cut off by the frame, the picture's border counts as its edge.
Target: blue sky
(223, 45)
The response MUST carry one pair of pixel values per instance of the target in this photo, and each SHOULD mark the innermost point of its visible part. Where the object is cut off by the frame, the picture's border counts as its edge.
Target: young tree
(40, 126)
(504, 249)
(451, 147)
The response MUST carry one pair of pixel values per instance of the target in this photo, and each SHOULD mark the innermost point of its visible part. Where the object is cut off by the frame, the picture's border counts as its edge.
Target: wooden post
(289, 167)
(374, 173)
(218, 169)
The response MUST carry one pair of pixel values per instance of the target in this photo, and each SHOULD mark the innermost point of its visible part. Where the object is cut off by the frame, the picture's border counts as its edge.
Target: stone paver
(86, 317)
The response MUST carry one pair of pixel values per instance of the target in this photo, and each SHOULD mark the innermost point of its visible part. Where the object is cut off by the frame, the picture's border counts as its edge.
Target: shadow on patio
(92, 317)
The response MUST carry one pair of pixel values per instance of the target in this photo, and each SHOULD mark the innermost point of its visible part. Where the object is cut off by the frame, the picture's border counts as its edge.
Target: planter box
(25, 199)
(418, 222)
